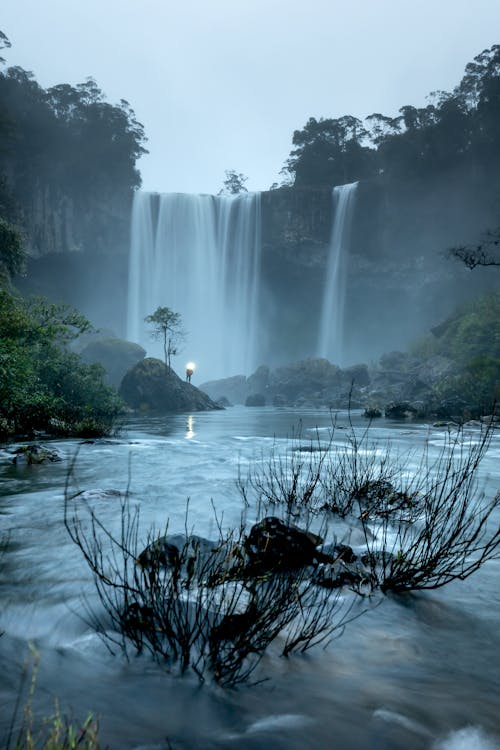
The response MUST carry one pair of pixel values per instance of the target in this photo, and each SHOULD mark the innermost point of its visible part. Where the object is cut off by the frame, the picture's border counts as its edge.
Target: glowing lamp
(191, 366)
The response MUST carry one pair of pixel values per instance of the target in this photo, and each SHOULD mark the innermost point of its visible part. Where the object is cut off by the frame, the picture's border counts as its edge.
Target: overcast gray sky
(222, 84)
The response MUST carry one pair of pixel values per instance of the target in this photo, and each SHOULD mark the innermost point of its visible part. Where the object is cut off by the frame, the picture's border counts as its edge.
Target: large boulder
(152, 386)
(235, 389)
(115, 355)
(312, 380)
(274, 545)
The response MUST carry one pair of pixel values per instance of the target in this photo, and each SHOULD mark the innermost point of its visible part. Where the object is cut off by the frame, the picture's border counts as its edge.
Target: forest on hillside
(64, 145)
(461, 127)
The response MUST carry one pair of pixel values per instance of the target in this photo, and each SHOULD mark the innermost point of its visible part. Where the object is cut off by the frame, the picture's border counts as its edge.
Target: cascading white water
(331, 328)
(200, 256)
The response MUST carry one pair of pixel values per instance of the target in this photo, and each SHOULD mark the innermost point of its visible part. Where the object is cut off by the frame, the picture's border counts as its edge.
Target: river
(414, 671)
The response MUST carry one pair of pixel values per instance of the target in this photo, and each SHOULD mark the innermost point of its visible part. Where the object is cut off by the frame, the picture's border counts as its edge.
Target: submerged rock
(336, 575)
(334, 552)
(97, 494)
(160, 553)
(35, 454)
(401, 410)
(274, 545)
(372, 412)
(152, 386)
(186, 554)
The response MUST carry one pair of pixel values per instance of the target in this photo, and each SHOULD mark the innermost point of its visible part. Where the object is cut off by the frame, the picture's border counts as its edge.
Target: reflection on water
(190, 433)
(416, 673)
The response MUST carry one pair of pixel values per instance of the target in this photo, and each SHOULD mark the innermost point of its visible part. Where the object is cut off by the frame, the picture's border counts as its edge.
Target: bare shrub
(361, 476)
(215, 607)
(197, 605)
(454, 531)
(425, 520)
(289, 480)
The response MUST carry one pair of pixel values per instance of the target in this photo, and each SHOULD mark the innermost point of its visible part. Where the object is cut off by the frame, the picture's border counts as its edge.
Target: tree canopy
(67, 137)
(457, 127)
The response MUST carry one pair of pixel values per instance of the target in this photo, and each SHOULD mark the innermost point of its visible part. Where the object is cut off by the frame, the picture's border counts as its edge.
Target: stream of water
(416, 671)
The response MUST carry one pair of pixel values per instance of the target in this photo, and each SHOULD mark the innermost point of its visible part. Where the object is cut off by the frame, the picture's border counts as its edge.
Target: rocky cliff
(399, 282)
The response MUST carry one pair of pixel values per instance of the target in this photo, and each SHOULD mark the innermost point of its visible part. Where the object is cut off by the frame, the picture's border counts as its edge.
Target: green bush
(473, 332)
(471, 340)
(43, 386)
(12, 256)
(478, 385)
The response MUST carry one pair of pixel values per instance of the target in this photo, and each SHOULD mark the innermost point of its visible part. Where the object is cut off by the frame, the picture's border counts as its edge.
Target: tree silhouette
(167, 328)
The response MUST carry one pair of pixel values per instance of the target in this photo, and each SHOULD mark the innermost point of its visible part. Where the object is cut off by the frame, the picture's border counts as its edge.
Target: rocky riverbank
(400, 386)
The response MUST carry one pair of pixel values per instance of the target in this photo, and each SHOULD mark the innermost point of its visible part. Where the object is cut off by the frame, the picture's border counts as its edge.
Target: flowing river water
(414, 671)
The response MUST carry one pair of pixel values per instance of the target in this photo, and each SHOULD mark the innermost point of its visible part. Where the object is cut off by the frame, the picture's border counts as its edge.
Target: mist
(224, 85)
(249, 374)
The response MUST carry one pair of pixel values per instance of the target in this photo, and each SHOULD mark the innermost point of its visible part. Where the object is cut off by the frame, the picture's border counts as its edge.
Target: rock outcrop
(152, 386)
(310, 382)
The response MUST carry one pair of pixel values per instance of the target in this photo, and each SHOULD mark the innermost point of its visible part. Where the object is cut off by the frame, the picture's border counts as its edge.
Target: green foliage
(471, 340)
(478, 385)
(474, 332)
(43, 386)
(12, 254)
(167, 327)
(56, 732)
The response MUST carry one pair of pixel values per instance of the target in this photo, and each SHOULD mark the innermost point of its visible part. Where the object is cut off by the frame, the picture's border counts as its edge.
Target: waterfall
(331, 328)
(200, 256)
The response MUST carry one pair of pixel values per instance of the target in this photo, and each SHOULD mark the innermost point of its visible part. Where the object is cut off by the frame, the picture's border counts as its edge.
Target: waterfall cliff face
(331, 326)
(200, 256)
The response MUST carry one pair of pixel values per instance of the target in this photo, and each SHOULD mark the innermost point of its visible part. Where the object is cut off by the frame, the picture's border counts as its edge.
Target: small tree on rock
(167, 328)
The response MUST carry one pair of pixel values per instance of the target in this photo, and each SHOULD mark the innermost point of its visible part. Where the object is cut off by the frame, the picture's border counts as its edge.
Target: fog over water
(222, 85)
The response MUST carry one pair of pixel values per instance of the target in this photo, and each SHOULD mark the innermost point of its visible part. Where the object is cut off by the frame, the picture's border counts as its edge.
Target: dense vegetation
(461, 128)
(65, 140)
(43, 385)
(470, 340)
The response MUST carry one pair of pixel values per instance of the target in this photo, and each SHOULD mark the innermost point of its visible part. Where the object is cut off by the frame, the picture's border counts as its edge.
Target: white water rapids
(420, 671)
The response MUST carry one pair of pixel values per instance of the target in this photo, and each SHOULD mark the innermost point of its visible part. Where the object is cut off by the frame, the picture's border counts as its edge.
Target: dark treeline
(66, 139)
(66, 157)
(461, 128)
